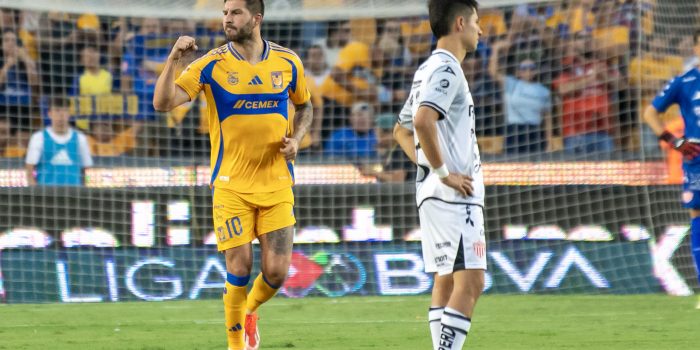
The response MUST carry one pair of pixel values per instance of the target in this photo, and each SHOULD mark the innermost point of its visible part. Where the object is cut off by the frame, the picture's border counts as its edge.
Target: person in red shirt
(586, 112)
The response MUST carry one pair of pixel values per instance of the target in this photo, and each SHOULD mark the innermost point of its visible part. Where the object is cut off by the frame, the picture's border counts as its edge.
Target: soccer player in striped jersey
(685, 91)
(436, 129)
(248, 83)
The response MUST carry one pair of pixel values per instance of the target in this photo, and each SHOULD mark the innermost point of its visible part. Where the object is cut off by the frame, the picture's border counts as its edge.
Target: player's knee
(275, 277)
(239, 270)
(238, 266)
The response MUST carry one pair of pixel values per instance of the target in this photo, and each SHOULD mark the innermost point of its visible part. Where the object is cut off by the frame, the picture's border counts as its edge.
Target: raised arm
(494, 69)
(169, 95)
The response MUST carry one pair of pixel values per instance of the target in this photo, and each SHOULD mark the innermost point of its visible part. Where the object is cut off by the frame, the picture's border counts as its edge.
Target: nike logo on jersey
(255, 81)
(688, 79)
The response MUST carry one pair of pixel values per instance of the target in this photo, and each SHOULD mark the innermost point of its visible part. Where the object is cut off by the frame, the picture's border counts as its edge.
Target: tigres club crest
(233, 78)
(277, 80)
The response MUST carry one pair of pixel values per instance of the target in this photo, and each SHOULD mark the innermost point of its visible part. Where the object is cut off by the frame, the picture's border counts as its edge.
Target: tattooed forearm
(303, 116)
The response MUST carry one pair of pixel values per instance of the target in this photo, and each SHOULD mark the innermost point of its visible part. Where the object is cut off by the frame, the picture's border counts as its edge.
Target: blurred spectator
(396, 67)
(143, 61)
(8, 18)
(104, 141)
(58, 153)
(357, 141)
(28, 29)
(352, 79)
(5, 134)
(135, 50)
(612, 37)
(18, 77)
(492, 23)
(395, 165)
(581, 16)
(528, 105)
(337, 37)
(586, 116)
(94, 80)
(418, 37)
(552, 49)
(58, 44)
(315, 65)
(395, 51)
(637, 17)
(487, 97)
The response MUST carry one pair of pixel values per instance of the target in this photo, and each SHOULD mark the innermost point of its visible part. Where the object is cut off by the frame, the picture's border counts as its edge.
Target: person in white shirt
(58, 153)
(315, 63)
(436, 129)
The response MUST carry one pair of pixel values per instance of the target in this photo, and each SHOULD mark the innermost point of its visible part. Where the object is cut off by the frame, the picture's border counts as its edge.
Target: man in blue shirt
(58, 153)
(357, 142)
(685, 91)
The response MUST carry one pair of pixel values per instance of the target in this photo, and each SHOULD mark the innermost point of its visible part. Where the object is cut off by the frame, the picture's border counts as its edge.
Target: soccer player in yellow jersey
(247, 83)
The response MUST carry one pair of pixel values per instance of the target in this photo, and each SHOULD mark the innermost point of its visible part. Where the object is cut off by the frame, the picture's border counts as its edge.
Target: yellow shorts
(239, 218)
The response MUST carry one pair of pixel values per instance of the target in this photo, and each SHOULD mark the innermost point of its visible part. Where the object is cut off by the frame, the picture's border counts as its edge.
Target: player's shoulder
(37, 136)
(691, 75)
(281, 51)
(215, 54)
(444, 67)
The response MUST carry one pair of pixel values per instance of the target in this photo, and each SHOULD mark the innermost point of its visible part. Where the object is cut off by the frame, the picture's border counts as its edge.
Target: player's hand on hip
(289, 149)
(183, 45)
(460, 183)
(689, 149)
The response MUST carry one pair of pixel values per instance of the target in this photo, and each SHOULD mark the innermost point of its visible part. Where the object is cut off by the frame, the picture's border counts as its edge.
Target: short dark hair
(254, 6)
(696, 37)
(442, 14)
(59, 102)
(334, 27)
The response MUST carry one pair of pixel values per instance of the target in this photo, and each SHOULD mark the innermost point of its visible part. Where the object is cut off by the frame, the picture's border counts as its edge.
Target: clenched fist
(183, 45)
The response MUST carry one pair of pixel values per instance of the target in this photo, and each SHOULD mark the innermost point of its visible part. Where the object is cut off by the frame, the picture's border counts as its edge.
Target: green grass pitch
(500, 322)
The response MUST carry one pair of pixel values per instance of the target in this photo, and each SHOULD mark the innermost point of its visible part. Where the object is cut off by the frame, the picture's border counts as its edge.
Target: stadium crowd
(556, 77)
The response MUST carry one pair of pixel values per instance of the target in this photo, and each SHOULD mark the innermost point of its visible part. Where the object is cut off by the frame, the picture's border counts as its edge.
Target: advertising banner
(124, 274)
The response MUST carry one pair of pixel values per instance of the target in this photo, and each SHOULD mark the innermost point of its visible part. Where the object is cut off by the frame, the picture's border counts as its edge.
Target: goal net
(104, 199)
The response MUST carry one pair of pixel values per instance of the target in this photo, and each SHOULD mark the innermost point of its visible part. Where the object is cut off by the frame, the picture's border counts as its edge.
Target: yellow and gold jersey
(248, 115)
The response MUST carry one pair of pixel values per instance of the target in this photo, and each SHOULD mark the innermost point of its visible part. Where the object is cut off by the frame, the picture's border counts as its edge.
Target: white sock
(435, 323)
(455, 327)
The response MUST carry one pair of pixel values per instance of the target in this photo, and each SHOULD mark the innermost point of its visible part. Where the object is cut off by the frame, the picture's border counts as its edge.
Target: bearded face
(239, 34)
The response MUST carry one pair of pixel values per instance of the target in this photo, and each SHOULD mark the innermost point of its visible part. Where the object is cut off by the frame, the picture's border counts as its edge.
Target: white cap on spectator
(360, 106)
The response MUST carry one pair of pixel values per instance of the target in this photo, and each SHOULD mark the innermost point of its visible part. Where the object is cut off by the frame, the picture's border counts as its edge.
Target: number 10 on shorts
(233, 227)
